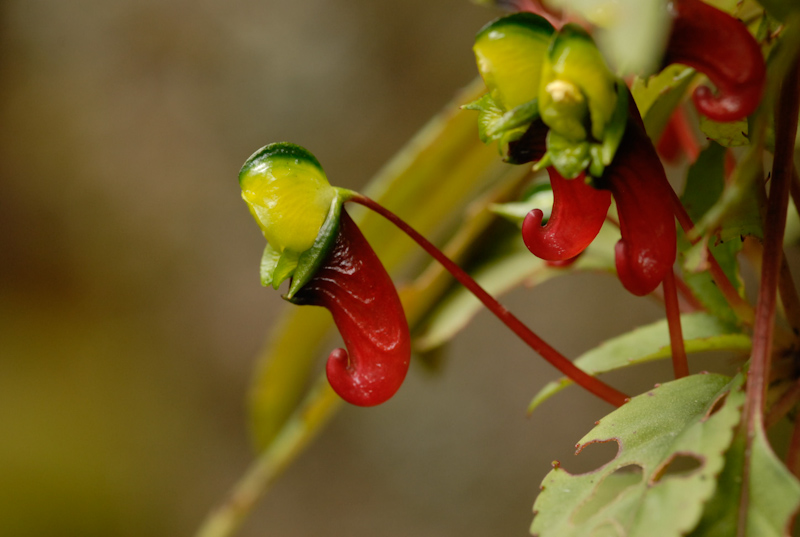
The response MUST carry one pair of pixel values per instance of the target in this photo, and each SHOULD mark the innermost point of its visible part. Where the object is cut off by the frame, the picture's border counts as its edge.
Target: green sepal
(496, 125)
(287, 263)
(518, 117)
(573, 58)
(616, 126)
(310, 260)
(268, 263)
(568, 157)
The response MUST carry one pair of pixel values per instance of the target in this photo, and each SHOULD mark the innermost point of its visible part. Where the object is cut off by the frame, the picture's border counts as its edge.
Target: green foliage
(773, 495)
(701, 333)
(682, 419)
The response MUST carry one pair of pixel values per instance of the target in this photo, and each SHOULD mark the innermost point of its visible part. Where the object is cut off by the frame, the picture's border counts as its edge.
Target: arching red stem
(636, 179)
(579, 211)
(721, 47)
(353, 285)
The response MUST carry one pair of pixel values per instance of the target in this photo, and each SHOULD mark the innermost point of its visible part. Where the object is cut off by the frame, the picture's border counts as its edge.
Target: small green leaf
(268, 263)
(731, 134)
(516, 211)
(705, 183)
(657, 96)
(701, 332)
(678, 420)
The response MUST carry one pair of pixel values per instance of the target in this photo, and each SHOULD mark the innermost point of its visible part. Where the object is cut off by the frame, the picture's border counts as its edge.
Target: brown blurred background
(130, 306)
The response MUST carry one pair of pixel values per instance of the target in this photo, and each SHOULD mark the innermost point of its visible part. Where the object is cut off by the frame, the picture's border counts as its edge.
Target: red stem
(777, 206)
(679, 363)
(559, 361)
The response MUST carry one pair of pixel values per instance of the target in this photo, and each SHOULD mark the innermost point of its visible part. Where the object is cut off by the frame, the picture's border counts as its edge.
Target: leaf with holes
(674, 437)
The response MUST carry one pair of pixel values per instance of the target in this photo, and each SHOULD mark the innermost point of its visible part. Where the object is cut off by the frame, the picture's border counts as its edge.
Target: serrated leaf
(679, 419)
(501, 274)
(701, 332)
(657, 96)
(730, 134)
(705, 183)
(773, 495)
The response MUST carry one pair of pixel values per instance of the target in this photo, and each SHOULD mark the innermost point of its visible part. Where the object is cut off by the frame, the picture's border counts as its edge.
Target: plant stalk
(558, 360)
(679, 362)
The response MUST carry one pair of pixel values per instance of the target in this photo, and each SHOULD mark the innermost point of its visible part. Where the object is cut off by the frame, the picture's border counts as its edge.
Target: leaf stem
(558, 360)
(679, 363)
(299, 430)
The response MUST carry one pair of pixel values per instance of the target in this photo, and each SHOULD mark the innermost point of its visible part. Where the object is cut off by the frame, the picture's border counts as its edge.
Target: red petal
(579, 211)
(353, 285)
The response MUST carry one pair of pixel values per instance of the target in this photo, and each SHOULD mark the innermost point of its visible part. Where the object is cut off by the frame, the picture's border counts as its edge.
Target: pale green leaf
(678, 420)
(701, 332)
(657, 96)
(631, 33)
(705, 184)
(731, 134)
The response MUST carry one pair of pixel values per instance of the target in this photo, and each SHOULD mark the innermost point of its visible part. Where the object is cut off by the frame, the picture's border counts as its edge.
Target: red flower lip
(353, 285)
(721, 47)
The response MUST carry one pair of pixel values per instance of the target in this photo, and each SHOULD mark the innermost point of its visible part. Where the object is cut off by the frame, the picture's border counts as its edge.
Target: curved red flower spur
(353, 285)
(579, 211)
(721, 47)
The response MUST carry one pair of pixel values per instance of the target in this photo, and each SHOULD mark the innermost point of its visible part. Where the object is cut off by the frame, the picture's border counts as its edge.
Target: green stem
(298, 431)
(558, 360)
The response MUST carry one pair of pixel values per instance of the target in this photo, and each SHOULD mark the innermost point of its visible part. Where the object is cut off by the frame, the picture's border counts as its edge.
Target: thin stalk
(679, 363)
(739, 305)
(558, 360)
(298, 431)
(777, 206)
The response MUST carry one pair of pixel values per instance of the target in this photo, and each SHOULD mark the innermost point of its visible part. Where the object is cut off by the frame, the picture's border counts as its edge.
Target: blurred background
(130, 304)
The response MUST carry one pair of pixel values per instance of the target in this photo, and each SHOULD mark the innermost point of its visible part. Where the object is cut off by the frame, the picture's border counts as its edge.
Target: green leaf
(705, 183)
(677, 421)
(657, 96)
(499, 275)
(701, 332)
(731, 134)
(631, 33)
(773, 494)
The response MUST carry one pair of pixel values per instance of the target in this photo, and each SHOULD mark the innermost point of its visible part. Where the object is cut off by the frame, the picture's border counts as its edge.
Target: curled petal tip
(639, 185)
(721, 47)
(579, 211)
(353, 285)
